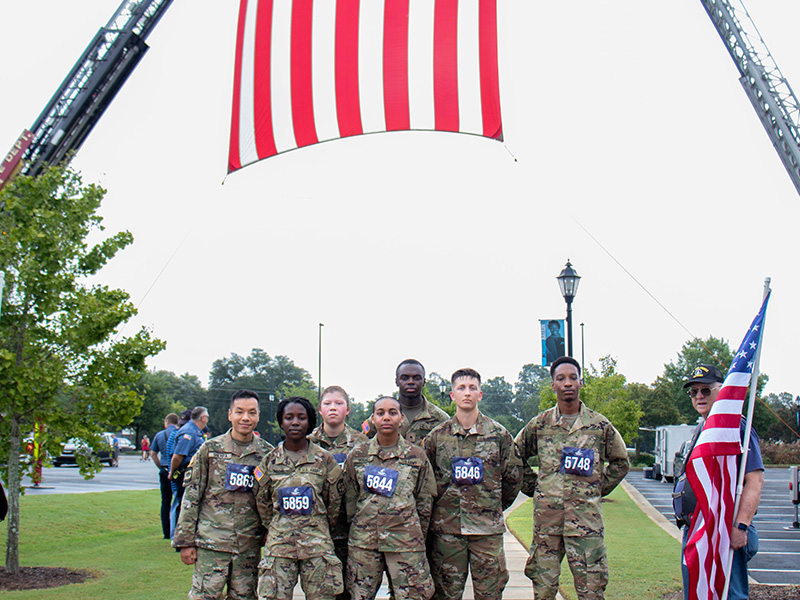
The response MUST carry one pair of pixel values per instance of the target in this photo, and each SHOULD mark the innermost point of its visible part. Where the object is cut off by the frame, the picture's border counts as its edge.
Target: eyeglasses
(706, 391)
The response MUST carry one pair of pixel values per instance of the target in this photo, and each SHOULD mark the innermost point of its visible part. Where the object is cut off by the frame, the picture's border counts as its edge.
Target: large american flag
(308, 71)
(712, 473)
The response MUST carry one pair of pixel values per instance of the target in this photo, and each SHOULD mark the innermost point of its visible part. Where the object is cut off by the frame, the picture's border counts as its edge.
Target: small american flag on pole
(308, 71)
(712, 473)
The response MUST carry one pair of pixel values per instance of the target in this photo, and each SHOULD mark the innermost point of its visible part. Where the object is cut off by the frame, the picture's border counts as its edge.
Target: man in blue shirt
(703, 386)
(158, 452)
(188, 440)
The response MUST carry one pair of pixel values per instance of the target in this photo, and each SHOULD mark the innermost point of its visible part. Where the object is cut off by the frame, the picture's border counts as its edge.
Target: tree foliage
(163, 392)
(62, 362)
(712, 351)
(607, 392)
(272, 378)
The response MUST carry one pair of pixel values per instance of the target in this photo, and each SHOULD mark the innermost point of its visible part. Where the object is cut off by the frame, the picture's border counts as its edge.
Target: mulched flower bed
(34, 578)
(759, 592)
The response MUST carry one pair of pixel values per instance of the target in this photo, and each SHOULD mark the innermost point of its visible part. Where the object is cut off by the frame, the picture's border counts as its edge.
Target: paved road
(132, 474)
(778, 558)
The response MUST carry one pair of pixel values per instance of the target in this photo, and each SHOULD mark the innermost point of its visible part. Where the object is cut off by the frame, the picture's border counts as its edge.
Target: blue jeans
(739, 588)
(175, 507)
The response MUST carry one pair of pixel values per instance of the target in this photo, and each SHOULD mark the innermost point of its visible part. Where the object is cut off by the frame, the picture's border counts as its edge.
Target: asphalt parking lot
(132, 474)
(778, 558)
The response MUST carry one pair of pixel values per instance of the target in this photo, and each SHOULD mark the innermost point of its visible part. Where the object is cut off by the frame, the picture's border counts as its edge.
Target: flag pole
(746, 449)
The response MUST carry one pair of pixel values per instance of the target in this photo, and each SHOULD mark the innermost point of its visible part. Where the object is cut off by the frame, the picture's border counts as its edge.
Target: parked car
(75, 447)
(125, 445)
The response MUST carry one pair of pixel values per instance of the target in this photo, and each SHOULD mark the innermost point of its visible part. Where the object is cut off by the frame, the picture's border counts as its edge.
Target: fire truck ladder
(92, 83)
(769, 91)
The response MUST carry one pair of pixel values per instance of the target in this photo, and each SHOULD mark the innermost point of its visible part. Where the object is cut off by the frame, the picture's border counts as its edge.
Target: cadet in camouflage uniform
(389, 489)
(421, 417)
(299, 497)
(573, 444)
(335, 436)
(219, 530)
(478, 475)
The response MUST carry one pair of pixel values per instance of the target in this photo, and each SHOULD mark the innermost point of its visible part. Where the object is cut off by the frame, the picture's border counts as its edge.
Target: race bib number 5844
(577, 461)
(380, 480)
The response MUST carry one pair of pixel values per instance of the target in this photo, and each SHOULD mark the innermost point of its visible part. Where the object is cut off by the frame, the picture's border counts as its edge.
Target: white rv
(669, 442)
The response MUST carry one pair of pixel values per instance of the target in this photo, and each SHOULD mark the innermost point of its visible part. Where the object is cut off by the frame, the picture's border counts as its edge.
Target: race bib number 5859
(577, 461)
(296, 500)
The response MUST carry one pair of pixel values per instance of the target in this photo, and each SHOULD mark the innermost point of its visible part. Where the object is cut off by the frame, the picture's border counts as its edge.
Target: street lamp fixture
(442, 388)
(568, 281)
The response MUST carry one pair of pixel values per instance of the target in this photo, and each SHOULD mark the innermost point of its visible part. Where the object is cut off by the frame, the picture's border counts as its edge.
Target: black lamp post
(568, 281)
(442, 388)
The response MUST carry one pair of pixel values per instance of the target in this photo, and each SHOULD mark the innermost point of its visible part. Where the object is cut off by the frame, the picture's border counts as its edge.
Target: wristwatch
(741, 526)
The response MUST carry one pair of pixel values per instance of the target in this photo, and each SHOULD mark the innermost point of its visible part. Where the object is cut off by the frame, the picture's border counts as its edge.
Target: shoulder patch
(186, 436)
(258, 473)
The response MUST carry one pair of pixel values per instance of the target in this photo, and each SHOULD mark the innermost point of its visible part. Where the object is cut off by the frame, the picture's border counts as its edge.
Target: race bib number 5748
(577, 461)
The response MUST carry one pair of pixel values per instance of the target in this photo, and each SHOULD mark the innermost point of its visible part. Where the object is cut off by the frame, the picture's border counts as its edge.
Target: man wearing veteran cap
(703, 386)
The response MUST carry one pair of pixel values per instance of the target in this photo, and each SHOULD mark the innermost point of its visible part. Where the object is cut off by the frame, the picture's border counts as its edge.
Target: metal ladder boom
(766, 87)
(92, 84)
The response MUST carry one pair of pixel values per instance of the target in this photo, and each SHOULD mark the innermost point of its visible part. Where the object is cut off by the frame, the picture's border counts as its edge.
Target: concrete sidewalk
(518, 588)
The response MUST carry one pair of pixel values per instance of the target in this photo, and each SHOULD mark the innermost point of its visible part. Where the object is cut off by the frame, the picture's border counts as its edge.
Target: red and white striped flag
(712, 473)
(309, 71)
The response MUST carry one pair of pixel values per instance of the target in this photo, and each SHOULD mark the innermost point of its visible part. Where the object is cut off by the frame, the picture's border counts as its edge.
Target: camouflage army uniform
(467, 524)
(388, 527)
(415, 431)
(299, 535)
(340, 447)
(219, 518)
(566, 506)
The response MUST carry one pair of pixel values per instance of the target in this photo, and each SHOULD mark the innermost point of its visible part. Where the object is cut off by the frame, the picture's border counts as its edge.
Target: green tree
(161, 392)
(786, 425)
(62, 361)
(657, 404)
(712, 351)
(606, 392)
(531, 382)
(498, 396)
(272, 378)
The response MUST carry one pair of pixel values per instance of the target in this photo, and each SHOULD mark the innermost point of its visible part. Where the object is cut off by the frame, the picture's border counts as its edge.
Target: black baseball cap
(186, 416)
(704, 374)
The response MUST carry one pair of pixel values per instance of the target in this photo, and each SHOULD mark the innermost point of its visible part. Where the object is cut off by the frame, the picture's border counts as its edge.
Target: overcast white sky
(626, 119)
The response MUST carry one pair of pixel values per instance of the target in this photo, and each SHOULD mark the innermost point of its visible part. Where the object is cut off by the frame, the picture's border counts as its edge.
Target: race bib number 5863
(239, 478)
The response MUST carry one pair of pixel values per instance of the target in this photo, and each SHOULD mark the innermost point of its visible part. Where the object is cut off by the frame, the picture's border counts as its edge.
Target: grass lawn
(643, 560)
(115, 535)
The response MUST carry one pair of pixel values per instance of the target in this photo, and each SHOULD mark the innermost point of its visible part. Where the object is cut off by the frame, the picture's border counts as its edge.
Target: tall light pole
(568, 281)
(319, 371)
